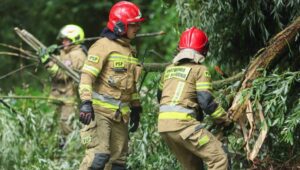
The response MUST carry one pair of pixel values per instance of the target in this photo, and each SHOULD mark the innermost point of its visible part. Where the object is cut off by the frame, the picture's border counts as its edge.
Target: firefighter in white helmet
(72, 54)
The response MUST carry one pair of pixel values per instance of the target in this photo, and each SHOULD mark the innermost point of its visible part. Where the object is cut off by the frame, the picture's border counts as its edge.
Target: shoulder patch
(93, 58)
(207, 74)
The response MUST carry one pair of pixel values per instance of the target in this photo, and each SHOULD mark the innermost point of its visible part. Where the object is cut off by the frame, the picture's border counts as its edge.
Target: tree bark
(276, 46)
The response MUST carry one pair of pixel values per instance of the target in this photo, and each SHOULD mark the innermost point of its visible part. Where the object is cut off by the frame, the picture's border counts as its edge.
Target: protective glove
(135, 118)
(44, 55)
(52, 49)
(86, 112)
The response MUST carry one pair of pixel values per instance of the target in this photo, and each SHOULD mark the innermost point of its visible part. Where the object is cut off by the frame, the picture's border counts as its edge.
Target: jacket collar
(188, 54)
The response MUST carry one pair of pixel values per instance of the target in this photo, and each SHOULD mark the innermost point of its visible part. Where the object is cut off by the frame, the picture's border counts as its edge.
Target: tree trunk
(276, 46)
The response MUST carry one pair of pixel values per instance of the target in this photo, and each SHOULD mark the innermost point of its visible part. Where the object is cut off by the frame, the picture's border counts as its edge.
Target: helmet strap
(119, 28)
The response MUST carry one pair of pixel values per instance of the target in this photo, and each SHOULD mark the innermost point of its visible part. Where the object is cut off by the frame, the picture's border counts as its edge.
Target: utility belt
(176, 112)
(108, 102)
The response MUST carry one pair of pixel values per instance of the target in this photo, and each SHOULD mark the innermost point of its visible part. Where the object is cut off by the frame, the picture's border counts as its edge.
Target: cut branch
(17, 55)
(17, 70)
(33, 98)
(20, 50)
(155, 67)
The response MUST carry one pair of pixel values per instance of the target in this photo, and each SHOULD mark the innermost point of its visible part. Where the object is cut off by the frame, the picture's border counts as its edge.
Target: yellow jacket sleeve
(97, 57)
(205, 97)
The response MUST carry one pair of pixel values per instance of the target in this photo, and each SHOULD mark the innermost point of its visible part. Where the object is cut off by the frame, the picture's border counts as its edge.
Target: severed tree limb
(151, 34)
(36, 45)
(221, 83)
(7, 53)
(155, 67)
(17, 70)
(276, 46)
(52, 99)
(20, 50)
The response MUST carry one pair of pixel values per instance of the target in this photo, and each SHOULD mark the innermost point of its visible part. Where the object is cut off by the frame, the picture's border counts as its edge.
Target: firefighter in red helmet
(185, 91)
(108, 91)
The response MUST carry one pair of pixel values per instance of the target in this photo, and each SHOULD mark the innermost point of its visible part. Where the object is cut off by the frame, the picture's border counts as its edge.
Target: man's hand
(44, 55)
(52, 49)
(86, 112)
(135, 118)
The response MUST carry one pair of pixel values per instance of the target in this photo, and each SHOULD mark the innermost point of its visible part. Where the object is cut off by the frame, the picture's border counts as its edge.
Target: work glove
(52, 49)
(86, 112)
(135, 118)
(44, 53)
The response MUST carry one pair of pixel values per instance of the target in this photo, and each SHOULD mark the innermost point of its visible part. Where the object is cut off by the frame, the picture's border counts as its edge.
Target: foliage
(30, 137)
(239, 28)
(281, 110)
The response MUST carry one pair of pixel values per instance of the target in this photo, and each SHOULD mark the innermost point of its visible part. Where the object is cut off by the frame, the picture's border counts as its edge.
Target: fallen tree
(241, 109)
(276, 46)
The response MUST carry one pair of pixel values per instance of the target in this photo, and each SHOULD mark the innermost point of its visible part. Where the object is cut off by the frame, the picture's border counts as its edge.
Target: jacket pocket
(196, 135)
(121, 81)
(188, 132)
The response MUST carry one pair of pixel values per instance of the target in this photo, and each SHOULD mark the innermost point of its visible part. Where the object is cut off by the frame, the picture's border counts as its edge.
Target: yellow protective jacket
(186, 92)
(63, 86)
(109, 76)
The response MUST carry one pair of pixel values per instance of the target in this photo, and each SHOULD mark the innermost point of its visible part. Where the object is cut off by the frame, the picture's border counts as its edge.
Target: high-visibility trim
(204, 140)
(175, 115)
(178, 93)
(218, 112)
(135, 96)
(123, 58)
(90, 69)
(85, 87)
(124, 109)
(53, 69)
(176, 108)
(160, 85)
(110, 103)
(203, 86)
(108, 99)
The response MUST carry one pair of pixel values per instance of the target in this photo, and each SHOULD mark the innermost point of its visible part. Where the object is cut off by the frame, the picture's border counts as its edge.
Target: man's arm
(206, 99)
(97, 57)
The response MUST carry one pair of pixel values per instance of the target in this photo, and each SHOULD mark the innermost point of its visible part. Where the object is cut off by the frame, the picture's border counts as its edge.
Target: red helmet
(195, 39)
(121, 14)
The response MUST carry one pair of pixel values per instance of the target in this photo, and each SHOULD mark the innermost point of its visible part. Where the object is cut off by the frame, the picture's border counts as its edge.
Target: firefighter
(108, 91)
(185, 91)
(72, 55)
